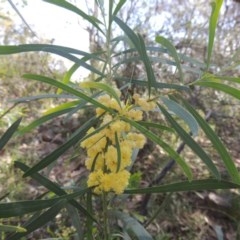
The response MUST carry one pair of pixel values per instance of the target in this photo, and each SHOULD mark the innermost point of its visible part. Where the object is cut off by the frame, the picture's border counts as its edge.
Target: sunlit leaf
(69, 73)
(216, 7)
(10, 228)
(229, 78)
(62, 106)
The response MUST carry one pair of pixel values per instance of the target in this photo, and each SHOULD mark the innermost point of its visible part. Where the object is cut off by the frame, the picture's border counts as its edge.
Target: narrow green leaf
(191, 143)
(64, 4)
(51, 186)
(139, 44)
(14, 209)
(172, 51)
(156, 125)
(42, 120)
(183, 114)
(228, 162)
(63, 106)
(41, 220)
(53, 156)
(68, 75)
(80, 62)
(132, 226)
(229, 78)
(153, 137)
(119, 157)
(118, 7)
(59, 50)
(68, 89)
(148, 66)
(221, 87)
(10, 228)
(129, 32)
(195, 185)
(13, 49)
(216, 7)
(8, 134)
(76, 220)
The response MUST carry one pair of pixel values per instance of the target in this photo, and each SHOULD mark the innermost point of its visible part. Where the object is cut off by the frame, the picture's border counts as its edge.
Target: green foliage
(216, 7)
(179, 114)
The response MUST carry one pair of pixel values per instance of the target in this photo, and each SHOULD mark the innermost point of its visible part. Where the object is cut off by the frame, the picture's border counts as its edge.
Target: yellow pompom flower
(103, 99)
(107, 118)
(134, 114)
(126, 153)
(108, 172)
(87, 141)
(94, 178)
(99, 111)
(138, 140)
(111, 160)
(106, 182)
(98, 164)
(114, 104)
(119, 181)
(119, 127)
(146, 105)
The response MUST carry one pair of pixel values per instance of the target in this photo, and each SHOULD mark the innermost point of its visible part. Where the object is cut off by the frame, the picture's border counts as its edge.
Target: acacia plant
(120, 125)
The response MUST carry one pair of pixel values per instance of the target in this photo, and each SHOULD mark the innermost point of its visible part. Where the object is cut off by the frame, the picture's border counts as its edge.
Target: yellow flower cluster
(146, 105)
(110, 150)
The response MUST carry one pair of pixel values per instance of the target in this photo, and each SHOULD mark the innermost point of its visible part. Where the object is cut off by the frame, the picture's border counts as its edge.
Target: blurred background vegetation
(205, 215)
